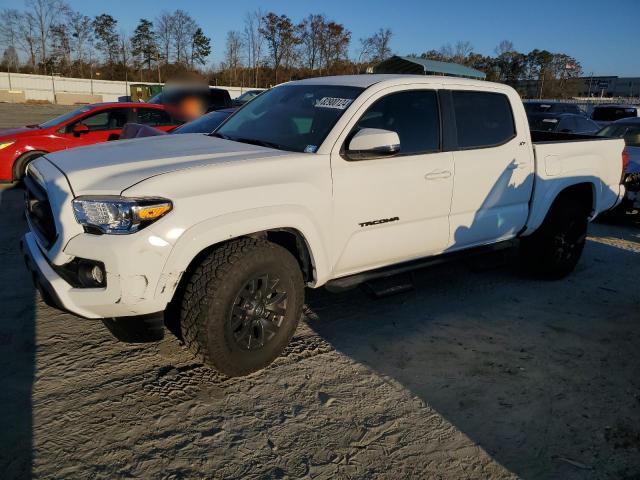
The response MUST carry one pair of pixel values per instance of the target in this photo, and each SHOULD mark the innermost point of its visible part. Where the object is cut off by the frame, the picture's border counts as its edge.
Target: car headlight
(6, 144)
(118, 215)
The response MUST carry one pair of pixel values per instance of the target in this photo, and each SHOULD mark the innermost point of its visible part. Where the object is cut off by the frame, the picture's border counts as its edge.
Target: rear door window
(483, 119)
(153, 117)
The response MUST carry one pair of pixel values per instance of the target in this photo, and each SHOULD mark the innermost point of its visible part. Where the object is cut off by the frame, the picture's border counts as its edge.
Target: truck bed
(565, 159)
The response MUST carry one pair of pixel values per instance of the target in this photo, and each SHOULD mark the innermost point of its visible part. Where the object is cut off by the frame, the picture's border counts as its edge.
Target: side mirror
(373, 143)
(79, 129)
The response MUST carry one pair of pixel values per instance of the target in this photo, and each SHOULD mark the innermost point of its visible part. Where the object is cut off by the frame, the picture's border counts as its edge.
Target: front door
(388, 210)
(103, 125)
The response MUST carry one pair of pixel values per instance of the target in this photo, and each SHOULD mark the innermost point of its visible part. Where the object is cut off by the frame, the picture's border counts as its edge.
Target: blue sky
(604, 35)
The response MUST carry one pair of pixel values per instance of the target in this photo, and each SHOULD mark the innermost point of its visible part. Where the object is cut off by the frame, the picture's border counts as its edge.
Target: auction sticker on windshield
(333, 102)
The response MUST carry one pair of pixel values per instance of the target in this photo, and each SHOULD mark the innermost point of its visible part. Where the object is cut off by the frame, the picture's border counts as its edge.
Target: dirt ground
(479, 372)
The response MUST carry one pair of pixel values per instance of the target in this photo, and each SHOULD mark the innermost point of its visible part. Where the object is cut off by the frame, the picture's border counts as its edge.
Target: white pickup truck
(325, 181)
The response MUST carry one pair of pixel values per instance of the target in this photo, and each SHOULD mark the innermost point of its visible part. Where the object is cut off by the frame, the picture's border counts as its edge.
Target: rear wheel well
(581, 193)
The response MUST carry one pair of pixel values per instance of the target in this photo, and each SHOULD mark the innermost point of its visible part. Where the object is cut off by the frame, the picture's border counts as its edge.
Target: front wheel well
(20, 164)
(290, 239)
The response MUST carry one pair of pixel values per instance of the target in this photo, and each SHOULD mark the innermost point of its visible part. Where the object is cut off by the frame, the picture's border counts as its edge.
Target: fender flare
(204, 235)
(547, 191)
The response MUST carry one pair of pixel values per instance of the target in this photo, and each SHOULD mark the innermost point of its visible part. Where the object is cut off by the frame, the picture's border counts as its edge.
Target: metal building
(423, 66)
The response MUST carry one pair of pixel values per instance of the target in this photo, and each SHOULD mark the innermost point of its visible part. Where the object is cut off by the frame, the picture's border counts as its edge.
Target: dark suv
(552, 107)
(212, 98)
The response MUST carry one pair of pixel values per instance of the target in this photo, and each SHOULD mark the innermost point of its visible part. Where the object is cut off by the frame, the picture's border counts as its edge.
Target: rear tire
(241, 306)
(553, 251)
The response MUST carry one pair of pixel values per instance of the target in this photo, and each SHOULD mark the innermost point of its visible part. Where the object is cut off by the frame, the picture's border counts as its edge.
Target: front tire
(241, 306)
(553, 251)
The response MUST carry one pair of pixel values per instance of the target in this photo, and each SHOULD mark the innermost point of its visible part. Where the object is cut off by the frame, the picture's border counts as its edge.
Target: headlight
(118, 215)
(6, 144)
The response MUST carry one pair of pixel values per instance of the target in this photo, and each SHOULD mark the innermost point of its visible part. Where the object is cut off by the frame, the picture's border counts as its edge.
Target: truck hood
(112, 167)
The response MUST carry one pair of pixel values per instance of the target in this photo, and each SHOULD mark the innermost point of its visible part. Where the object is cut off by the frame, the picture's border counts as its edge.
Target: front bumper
(42, 274)
(114, 300)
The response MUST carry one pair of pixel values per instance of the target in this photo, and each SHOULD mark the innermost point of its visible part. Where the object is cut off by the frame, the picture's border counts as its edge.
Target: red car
(85, 126)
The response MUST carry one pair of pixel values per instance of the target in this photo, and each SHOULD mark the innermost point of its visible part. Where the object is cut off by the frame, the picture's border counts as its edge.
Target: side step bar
(351, 281)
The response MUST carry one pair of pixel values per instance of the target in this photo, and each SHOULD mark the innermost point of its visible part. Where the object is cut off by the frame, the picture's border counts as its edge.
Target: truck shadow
(542, 376)
(17, 342)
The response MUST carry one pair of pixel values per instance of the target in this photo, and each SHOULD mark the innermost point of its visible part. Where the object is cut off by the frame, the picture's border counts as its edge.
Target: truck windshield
(290, 117)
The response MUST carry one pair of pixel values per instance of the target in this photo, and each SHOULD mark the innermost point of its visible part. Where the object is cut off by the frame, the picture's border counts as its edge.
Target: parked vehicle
(189, 103)
(551, 107)
(629, 130)
(85, 126)
(320, 182)
(245, 97)
(205, 124)
(605, 114)
(562, 122)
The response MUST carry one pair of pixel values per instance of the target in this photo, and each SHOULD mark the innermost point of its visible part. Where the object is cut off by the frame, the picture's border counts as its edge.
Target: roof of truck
(366, 80)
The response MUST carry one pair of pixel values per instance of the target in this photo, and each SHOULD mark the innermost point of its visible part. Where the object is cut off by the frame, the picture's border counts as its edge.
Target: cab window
(412, 114)
(483, 119)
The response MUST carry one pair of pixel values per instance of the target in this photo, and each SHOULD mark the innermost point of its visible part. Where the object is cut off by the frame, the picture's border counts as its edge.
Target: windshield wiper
(260, 143)
(219, 135)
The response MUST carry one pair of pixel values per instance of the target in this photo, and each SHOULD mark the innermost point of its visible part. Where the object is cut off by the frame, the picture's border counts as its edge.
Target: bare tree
(253, 40)
(334, 44)
(165, 30)
(459, 53)
(311, 33)
(184, 28)
(376, 48)
(232, 52)
(81, 36)
(10, 27)
(505, 46)
(125, 52)
(46, 14)
(28, 38)
(280, 34)
(60, 49)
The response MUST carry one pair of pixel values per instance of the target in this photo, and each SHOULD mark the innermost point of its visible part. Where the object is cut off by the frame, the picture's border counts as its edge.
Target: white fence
(49, 88)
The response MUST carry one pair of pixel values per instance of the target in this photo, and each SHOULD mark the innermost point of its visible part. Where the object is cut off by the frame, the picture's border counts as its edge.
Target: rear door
(494, 168)
(391, 209)
(155, 117)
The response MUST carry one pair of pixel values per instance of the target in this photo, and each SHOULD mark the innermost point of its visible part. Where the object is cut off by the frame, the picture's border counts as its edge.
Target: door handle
(438, 175)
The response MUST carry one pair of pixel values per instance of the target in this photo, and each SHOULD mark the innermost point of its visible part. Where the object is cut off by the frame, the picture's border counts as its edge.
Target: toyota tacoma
(320, 182)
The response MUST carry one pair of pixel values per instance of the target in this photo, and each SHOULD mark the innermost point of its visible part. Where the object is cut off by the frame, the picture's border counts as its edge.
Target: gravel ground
(479, 372)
